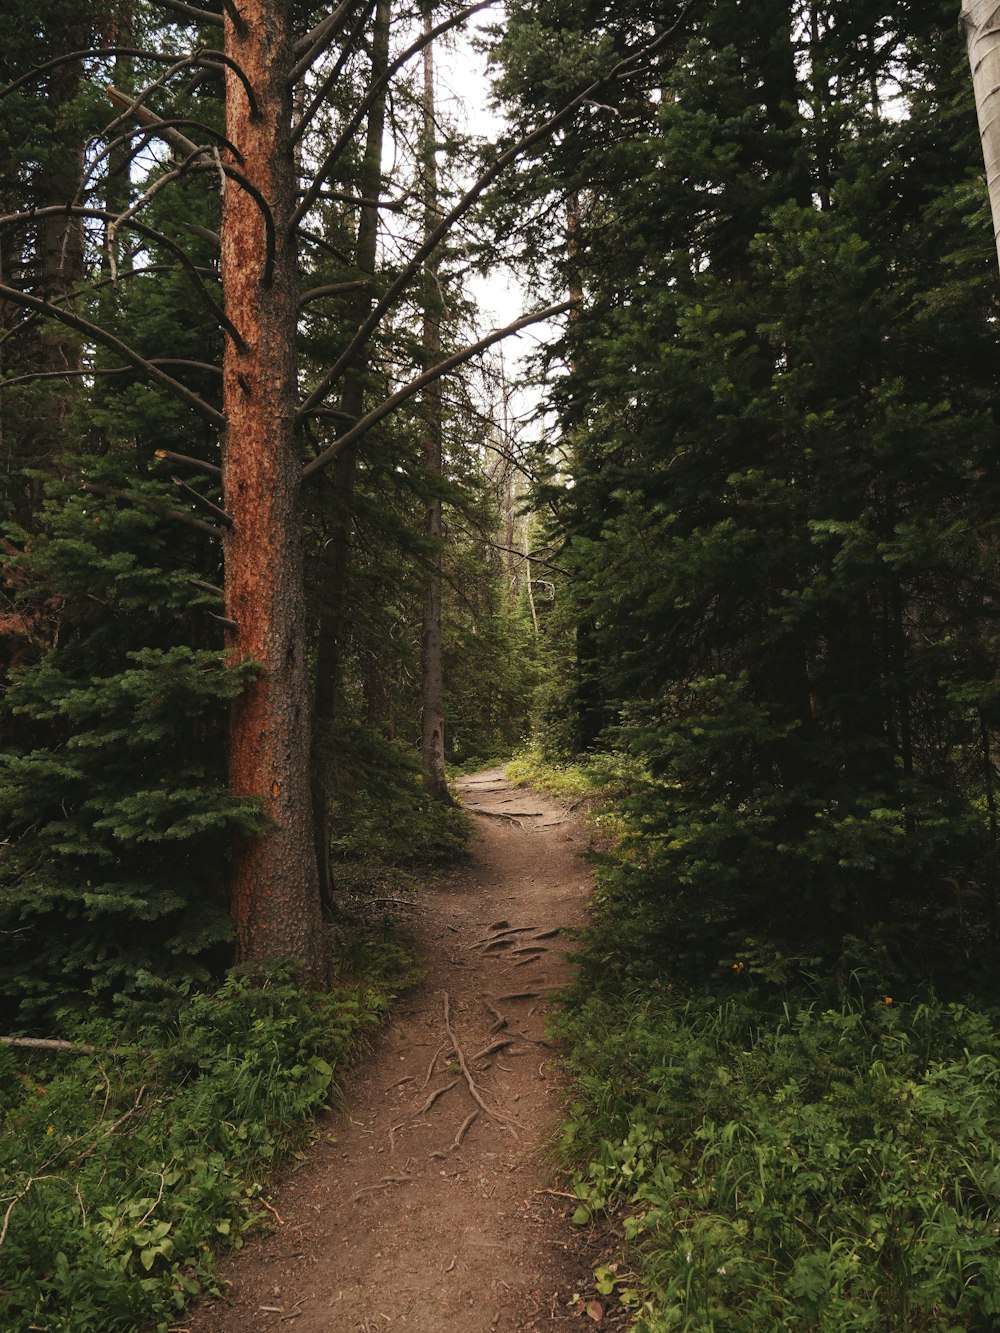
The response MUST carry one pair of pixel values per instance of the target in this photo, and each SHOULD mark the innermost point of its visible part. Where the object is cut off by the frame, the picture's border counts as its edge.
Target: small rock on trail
(425, 1205)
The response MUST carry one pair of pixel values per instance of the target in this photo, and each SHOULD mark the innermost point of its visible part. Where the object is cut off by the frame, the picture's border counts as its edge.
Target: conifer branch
(428, 377)
(154, 506)
(321, 94)
(126, 352)
(143, 229)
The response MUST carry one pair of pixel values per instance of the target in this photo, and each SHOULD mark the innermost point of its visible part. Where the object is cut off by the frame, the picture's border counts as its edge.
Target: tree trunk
(981, 24)
(432, 654)
(275, 893)
(337, 553)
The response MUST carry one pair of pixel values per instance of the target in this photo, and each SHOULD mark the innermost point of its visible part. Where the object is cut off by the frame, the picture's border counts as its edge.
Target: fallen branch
(32, 1180)
(47, 1044)
(469, 1080)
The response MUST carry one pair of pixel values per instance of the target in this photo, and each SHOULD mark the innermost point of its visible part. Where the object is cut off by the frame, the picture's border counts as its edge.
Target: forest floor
(429, 1201)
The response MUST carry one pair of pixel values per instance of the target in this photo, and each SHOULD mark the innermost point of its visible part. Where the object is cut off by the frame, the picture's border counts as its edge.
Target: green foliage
(112, 783)
(381, 812)
(124, 1169)
(792, 1167)
(779, 426)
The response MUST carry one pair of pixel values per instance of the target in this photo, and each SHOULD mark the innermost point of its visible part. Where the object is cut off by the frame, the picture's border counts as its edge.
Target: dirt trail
(418, 1208)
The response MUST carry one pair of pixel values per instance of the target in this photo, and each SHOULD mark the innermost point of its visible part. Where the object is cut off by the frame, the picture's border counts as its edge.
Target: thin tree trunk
(275, 893)
(981, 23)
(432, 749)
(337, 552)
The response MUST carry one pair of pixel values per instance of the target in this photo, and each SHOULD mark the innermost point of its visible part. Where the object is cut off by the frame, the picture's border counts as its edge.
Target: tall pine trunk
(432, 652)
(275, 890)
(337, 552)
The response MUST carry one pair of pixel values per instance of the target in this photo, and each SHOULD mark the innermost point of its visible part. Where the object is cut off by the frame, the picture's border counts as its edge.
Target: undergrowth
(804, 1169)
(774, 1160)
(123, 1167)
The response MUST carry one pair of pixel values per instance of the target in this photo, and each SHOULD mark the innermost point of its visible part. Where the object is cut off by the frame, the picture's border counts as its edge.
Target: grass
(123, 1169)
(771, 1157)
(803, 1168)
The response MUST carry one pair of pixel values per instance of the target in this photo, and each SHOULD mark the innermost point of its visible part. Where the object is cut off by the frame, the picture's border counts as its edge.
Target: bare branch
(336, 289)
(200, 463)
(190, 11)
(165, 129)
(428, 377)
(319, 97)
(205, 56)
(347, 136)
(315, 42)
(126, 352)
(224, 518)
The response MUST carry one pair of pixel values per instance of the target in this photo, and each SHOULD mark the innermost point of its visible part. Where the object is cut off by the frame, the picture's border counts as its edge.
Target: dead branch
(519, 995)
(32, 1180)
(335, 289)
(321, 94)
(621, 69)
(127, 353)
(467, 1073)
(408, 390)
(190, 11)
(363, 107)
(224, 518)
(200, 463)
(113, 1128)
(316, 40)
(47, 1044)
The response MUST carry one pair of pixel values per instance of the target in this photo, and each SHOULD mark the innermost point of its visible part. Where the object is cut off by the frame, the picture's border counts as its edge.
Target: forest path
(407, 1213)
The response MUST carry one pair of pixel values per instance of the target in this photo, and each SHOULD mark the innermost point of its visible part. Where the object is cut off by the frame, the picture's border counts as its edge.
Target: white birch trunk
(981, 24)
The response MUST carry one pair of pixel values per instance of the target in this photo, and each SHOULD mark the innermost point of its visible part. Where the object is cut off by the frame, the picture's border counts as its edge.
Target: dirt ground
(430, 1204)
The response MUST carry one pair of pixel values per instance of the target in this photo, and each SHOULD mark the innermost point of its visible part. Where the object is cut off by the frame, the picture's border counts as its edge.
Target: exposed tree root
(386, 1182)
(434, 1096)
(474, 1092)
(430, 1068)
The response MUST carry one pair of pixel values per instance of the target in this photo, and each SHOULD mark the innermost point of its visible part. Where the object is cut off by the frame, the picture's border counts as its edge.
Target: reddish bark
(275, 892)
